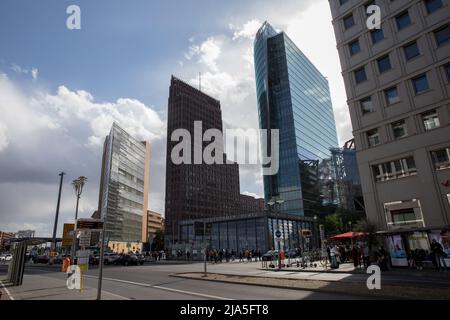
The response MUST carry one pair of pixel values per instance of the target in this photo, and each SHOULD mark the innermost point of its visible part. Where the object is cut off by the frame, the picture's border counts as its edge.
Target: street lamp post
(78, 185)
(57, 213)
(272, 204)
(315, 232)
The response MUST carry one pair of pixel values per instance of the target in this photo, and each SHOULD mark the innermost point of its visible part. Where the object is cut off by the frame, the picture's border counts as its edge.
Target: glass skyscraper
(294, 97)
(123, 195)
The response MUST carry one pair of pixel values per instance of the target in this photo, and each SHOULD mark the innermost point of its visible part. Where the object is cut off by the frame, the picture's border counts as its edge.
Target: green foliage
(342, 221)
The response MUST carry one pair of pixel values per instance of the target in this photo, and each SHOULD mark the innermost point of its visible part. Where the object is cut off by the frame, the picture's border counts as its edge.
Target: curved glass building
(294, 97)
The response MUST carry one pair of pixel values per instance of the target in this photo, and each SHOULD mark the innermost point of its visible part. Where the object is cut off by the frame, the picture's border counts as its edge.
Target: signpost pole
(205, 272)
(100, 274)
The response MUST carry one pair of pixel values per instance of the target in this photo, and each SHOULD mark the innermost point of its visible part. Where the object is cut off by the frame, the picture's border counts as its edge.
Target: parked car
(127, 259)
(141, 258)
(270, 255)
(110, 258)
(6, 257)
(41, 259)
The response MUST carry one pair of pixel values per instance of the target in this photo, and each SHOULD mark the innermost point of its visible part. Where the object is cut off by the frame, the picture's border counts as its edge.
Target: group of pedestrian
(415, 258)
(216, 256)
(358, 254)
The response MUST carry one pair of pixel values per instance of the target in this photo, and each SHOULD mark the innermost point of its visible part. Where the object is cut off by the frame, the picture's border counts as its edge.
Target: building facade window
(403, 20)
(373, 138)
(399, 129)
(401, 214)
(366, 105)
(447, 71)
(360, 75)
(430, 120)
(354, 47)
(420, 84)
(349, 21)
(411, 51)
(391, 95)
(442, 35)
(377, 35)
(384, 64)
(394, 169)
(433, 5)
(441, 158)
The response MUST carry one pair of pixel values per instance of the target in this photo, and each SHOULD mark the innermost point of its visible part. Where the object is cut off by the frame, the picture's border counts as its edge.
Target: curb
(367, 296)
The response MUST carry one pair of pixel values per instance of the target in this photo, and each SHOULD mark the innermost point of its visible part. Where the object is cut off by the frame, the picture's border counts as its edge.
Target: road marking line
(7, 291)
(117, 295)
(193, 293)
(165, 288)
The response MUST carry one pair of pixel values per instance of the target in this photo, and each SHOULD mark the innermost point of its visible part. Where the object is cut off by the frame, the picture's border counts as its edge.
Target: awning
(348, 235)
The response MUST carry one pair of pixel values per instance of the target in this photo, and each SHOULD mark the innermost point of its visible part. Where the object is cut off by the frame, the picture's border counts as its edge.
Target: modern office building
(345, 186)
(397, 80)
(294, 97)
(123, 196)
(155, 223)
(196, 191)
(251, 231)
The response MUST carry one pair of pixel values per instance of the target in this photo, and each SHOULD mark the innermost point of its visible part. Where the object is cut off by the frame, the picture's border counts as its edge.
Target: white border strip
(164, 288)
(7, 291)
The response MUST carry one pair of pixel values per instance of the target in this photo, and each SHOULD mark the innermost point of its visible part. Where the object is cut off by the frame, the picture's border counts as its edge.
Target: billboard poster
(67, 234)
(397, 251)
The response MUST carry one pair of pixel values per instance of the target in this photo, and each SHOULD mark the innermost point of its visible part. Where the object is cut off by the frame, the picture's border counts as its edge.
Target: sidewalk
(395, 284)
(40, 287)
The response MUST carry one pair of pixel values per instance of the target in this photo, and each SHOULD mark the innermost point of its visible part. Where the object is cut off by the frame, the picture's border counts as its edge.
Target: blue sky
(61, 89)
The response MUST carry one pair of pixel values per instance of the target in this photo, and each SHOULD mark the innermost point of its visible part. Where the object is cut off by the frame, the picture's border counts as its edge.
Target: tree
(370, 229)
(158, 241)
(332, 224)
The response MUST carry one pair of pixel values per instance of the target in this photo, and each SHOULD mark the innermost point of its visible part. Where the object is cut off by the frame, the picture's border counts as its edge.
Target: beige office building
(155, 223)
(397, 80)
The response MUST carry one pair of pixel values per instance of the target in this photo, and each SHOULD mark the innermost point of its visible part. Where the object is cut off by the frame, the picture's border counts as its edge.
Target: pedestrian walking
(439, 255)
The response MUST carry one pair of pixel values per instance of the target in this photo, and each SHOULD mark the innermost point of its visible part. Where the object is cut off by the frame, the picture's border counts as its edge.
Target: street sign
(83, 259)
(90, 224)
(278, 235)
(85, 238)
(306, 233)
(67, 234)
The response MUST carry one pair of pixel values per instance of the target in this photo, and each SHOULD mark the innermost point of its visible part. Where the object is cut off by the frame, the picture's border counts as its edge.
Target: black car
(41, 259)
(127, 260)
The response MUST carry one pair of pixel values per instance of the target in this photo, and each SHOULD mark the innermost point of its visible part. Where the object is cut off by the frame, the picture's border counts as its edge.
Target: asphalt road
(153, 282)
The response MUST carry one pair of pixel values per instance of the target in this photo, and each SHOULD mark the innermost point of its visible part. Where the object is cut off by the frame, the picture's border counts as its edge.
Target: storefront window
(397, 251)
(215, 236)
(223, 236)
(232, 235)
(251, 234)
(241, 232)
(261, 234)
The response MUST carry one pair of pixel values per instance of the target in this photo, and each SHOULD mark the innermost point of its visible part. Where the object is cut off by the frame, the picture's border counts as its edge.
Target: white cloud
(248, 30)
(49, 132)
(4, 141)
(135, 117)
(251, 194)
(34, 73)
(20, 71)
